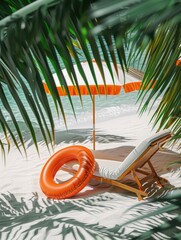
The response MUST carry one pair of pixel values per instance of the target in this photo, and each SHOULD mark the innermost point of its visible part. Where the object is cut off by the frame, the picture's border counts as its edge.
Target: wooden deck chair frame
(148, 178)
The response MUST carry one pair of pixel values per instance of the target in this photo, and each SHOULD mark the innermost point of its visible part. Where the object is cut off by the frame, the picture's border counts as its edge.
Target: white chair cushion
(113, 169)
(107, 168)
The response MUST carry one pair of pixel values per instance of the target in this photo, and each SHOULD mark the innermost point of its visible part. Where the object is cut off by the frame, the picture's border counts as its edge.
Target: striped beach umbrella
(109, 85)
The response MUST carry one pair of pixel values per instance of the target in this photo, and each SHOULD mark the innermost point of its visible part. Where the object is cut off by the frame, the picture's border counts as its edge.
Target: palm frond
(34, 46)
(151, 30)
(32, 49)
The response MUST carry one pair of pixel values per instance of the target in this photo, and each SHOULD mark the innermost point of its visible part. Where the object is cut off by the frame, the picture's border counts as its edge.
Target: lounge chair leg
(140, 198)
(156, 175)
(137, 180)
(138, 192)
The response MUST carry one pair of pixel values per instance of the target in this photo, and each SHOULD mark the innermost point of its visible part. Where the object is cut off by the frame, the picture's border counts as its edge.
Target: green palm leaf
(153, 37)
(121, 32)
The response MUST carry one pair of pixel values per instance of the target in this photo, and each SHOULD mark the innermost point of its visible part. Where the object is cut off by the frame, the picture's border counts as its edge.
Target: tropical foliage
(41, 37)
(152, 30)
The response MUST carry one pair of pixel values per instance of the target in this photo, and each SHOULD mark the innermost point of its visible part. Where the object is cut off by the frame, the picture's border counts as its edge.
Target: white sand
(98, 211)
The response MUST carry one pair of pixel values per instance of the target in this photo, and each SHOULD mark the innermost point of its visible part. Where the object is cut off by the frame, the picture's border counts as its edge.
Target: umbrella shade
(109, 86)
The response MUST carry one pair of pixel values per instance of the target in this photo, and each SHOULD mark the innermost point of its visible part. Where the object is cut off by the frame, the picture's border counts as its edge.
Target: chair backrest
(143, 152)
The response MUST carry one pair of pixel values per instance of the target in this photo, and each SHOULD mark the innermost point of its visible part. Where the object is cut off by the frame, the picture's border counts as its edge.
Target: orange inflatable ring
(75, 184)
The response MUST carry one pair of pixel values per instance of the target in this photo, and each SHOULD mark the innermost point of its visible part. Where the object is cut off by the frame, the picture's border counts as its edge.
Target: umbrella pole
(93, 119)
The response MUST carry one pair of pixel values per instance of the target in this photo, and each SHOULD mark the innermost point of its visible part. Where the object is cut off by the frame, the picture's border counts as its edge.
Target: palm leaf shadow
(14, 214)
(66, 136)
(163, 216)
(23, 217)
(17, 218)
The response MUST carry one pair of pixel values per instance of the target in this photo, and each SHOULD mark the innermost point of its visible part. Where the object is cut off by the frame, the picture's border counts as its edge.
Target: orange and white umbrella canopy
(109, 86)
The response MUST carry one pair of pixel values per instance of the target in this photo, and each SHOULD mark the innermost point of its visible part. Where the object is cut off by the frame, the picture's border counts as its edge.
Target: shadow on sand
(36, 218)
(81, 135)
(70, 135)
(81, 218)
(17, 218)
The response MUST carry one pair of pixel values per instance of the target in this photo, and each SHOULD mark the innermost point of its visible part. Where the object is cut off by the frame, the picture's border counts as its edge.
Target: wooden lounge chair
(113, 172)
